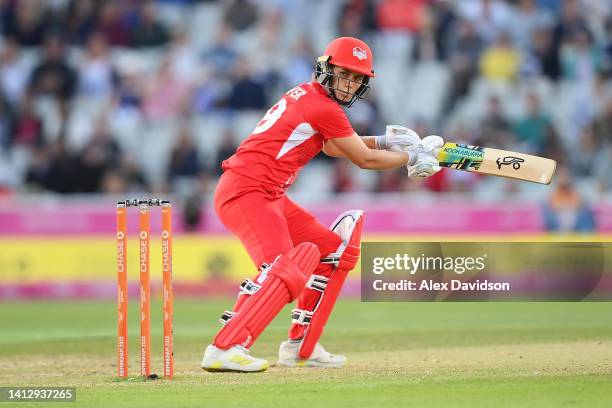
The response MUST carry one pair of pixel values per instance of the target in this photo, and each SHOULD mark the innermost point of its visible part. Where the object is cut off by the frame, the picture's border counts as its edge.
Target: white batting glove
(424, 157)
(397, 136)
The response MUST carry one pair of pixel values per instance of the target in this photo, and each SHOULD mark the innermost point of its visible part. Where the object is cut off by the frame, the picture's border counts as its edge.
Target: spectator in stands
(401, 15)
(184, 158)
(357, 18)
(61, 169)
(38, 169)
(425, 46)
(343, 181)
(398, 21)
(298, 68)
(272, 53)
(103, 141)
(240, 14)
(439, 182)
(542, 57)
(100, 154)
(26, 22)
(554, 148)
(14, 72)
(535, 127)
(113, 183)
(129, 91)
(566, 210)
(222, 55)
(113, 25)
(126, 177)
(603, 122)
(6, 125)
(54, 76)
(607, 49)
(583, 158)
(390, 181)
(207, 91)
(27, 127)
(79, 21)
(165, 95)
(495, 127)
(500, 61)
(527, 19)
(366, 118)
(553, 6)
(184, 57)
(55, 168)
(247, 92)
(571, 19)
(445, 18)
(465, 48)
(580, 59)
(602, 168)
(149, 32)
(97, 76)
(6, 14)
(226, 149)
(490, 17)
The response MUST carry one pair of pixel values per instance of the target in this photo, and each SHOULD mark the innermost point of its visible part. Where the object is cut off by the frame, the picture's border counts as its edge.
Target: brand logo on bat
(510, 160)
(464, 152)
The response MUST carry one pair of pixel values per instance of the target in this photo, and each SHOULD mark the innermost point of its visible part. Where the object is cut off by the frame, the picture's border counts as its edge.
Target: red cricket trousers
(269, 225)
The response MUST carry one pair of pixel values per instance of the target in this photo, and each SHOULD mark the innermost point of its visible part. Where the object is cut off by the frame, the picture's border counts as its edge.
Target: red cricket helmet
(350, 53)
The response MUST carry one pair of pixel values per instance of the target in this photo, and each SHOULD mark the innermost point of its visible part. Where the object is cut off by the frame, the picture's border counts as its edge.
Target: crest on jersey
(360, 53)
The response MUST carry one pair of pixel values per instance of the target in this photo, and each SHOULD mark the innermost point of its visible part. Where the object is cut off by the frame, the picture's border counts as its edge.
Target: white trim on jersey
(300, 134)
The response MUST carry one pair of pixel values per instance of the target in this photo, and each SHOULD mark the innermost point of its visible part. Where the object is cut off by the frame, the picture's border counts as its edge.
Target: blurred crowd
(117, 96)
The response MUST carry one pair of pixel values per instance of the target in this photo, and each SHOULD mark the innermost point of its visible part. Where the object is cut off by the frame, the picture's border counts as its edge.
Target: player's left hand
(397, 137)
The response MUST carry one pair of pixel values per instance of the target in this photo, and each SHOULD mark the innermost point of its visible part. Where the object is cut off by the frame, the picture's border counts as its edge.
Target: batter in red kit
(300, 259)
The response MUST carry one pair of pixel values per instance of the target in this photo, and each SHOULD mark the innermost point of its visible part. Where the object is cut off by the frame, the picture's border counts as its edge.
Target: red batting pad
(284, 283)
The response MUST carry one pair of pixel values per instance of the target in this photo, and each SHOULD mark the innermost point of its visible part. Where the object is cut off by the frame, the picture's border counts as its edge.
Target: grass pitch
(399, 354)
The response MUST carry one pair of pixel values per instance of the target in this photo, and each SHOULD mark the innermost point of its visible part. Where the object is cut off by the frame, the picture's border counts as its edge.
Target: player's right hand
(424, 157)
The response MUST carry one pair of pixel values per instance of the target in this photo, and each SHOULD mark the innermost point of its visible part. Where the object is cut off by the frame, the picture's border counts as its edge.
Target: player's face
(346, 83)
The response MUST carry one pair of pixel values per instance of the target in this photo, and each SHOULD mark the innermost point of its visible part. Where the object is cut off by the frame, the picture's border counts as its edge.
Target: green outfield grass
(400, 354)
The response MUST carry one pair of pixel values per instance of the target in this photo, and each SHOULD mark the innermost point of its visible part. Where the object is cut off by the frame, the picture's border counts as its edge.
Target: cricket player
(298, 257)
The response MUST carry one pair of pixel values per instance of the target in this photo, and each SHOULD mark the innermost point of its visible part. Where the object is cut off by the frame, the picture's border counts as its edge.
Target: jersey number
(271, 116)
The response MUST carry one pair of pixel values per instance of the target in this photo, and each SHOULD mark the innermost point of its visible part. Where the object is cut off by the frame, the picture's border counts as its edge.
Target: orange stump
(145, 290)
(122, 293)
(168, 306)
(144, 268)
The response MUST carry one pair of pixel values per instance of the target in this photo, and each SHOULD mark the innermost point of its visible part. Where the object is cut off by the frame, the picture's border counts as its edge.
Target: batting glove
(424, 157)
(397, 136)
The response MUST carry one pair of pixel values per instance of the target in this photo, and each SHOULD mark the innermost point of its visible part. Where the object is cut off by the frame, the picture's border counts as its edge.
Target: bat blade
(497, 162)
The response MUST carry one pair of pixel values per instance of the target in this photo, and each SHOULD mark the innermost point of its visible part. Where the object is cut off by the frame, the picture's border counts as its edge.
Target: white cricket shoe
(235, 359)
(288, 357)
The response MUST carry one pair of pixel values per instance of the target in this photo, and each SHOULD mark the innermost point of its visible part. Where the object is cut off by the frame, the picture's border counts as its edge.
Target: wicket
(145, 286)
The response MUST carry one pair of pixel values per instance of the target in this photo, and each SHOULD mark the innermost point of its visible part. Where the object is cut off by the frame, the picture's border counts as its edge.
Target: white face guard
(325, 76)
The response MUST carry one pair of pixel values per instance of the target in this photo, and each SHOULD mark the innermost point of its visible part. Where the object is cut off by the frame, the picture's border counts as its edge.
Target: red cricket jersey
(290, 134)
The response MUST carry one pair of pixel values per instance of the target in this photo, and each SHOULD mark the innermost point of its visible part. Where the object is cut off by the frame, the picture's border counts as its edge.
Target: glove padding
(397, 136)
(424, 157)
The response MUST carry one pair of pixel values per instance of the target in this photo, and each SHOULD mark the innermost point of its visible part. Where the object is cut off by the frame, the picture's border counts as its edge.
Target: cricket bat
(496, 162)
